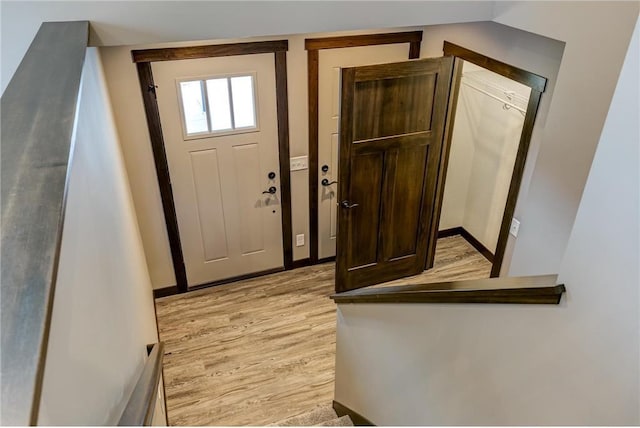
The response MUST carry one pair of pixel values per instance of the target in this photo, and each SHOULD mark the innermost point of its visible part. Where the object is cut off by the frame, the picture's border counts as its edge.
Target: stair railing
(37, 125)
(141, 405)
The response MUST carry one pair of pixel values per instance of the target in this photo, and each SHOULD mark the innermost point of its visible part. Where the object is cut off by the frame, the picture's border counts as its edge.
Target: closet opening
(492, 118)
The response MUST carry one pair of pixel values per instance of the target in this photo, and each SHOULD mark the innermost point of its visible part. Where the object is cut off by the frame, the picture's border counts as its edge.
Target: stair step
(313, 418)
(342, 421)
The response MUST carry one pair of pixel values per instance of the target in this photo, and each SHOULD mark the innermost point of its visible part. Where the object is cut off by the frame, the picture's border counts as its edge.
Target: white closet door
(331, 61)
(222, 145)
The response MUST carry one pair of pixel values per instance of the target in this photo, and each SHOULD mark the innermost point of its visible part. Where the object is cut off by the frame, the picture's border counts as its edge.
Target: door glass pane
(195, 114)
(243, 102)
(219, 108)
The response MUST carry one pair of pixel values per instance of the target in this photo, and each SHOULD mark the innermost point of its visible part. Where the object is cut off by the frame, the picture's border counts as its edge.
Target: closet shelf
(507, 104)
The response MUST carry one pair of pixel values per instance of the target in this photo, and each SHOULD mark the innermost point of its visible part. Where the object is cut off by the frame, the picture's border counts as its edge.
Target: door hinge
(152, 89)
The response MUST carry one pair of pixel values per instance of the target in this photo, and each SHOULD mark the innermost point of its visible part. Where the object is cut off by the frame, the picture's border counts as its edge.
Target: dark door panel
(391, 129)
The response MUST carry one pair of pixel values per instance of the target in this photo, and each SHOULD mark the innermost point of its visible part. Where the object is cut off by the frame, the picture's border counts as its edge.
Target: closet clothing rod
(506, 103)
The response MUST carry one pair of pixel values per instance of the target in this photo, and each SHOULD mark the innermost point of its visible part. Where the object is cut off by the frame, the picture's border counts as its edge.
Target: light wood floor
(258, 351)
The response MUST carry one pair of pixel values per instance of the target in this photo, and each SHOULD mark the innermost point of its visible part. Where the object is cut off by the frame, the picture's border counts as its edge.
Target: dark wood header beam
(209, 51)
(527, 78)
(362, 40)
(521, 290)
(38, 115)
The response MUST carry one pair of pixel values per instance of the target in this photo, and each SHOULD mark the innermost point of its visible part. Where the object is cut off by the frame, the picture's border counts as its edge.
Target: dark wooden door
(391, 133)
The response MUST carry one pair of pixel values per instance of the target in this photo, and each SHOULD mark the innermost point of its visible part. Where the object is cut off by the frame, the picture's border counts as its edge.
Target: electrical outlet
(515, 227)
(300, 240)
(299, 163)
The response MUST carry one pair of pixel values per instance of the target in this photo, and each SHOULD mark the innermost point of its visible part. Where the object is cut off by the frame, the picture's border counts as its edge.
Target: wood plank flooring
(261, 350)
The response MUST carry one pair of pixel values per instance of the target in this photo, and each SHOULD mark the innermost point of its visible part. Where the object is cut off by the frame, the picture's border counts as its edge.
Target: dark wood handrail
(142, 403)
(38, 116)
(523, 290)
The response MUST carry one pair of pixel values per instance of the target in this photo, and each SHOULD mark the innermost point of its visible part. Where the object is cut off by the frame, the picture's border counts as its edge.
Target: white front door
(331, 61)
(219, 124)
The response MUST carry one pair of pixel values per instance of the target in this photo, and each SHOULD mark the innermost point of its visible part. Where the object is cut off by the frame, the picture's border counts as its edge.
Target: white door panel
(228, 227)
(331, 61)
(206, 179)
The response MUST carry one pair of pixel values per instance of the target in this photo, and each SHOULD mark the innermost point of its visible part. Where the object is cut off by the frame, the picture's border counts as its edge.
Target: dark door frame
(537, 84)
(143, 59)
(414, 38)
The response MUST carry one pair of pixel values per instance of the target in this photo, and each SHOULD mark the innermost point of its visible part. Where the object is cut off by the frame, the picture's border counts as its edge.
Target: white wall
(141, 22)
(597, 36)
(461, 155)
(577, 363)
(484, 146)
(103, 315)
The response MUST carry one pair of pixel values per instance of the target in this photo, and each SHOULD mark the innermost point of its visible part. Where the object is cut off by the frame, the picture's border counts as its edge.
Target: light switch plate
(300, 240)
(515, 227)
(299, 163)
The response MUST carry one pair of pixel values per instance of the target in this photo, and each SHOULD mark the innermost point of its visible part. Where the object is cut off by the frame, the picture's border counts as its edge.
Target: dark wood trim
(165, 291)
(147, 88)
(469, 238)
(541, 296)
(357, 419)
(312, 82)
(141, 405)
(39, 109)
(236, 278)
(477, 244)
(301, 263)
(414, 48)
(326, 260)
(362, 40)
(173, 290)
(209, 51)
(516, 180)
(282, 105)
(452, 104)
(445, 233)
(414, 38)
(513, 290)
(537, 84)
(532, 80)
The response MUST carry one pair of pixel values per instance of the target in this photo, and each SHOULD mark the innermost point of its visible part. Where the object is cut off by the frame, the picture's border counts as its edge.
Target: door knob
(272, 190)
(325, 168)
(271, 175)
(325, 182)
(347, 204)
